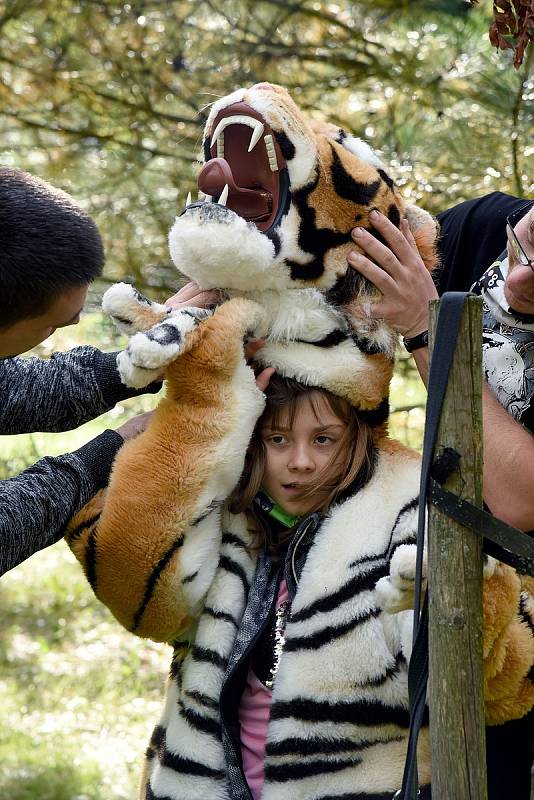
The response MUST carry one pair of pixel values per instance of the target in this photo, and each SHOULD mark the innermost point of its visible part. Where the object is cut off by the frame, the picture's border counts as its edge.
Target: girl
(289, 677)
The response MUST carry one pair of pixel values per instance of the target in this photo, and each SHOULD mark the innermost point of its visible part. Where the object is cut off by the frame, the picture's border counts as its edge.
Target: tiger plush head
(280, 196)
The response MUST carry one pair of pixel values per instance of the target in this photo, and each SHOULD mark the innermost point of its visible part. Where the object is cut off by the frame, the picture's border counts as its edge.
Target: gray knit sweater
(54, 395)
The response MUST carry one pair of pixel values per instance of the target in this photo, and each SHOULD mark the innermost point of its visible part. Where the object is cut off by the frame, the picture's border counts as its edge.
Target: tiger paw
(130, 310)
(149, 352)
(396, 591)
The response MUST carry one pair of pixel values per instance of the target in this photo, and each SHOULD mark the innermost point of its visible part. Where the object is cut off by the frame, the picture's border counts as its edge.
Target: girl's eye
(323, 439)
(277, 439)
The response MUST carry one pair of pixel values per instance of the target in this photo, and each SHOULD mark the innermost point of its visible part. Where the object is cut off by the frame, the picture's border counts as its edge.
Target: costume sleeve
(60, 393)
(36, 505)
(472, 237)
(150, 544)
(508, 645)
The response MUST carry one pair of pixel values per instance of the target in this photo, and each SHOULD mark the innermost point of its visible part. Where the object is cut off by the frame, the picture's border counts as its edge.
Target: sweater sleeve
(36, 505)
(60, 393)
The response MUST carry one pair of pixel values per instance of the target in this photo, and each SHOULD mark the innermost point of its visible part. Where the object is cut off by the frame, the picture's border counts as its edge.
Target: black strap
(501, 541)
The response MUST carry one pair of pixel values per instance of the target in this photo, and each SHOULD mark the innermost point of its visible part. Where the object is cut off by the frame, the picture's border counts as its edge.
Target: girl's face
(311, 450)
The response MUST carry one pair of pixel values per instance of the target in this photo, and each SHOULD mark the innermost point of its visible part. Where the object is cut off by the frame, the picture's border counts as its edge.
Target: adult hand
(192, 295)
(134, 426)
(262, 380)
(398, 272)
(252, 347)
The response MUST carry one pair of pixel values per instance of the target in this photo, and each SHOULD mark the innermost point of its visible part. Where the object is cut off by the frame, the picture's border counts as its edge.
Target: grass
(80, 696)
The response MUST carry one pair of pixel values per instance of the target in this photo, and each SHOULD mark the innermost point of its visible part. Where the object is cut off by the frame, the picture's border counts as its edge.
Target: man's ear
(425, 231)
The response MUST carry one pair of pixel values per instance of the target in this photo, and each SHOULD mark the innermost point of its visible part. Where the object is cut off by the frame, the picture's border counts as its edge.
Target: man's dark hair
(48, 244)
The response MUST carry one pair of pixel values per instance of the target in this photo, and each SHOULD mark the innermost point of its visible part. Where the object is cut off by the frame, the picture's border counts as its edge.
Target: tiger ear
(353, 144)
(425, 231)
(359, 148)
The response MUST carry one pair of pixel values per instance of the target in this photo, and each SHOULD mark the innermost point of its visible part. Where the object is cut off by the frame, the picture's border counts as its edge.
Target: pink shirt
(254, 710)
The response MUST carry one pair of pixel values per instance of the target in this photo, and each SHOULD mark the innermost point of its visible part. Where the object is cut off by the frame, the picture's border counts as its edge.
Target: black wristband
(415, 342)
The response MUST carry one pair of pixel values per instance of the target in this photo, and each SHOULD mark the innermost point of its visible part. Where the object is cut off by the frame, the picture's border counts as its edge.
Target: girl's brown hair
(284, 396)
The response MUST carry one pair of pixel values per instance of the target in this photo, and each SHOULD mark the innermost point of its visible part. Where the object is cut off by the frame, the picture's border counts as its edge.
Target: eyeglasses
(515, 244)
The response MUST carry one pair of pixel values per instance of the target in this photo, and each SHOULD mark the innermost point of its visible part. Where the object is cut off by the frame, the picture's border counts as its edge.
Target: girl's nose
(301, 459)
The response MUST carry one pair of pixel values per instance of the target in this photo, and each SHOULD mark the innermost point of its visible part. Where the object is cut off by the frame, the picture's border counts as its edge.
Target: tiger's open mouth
(245, 169)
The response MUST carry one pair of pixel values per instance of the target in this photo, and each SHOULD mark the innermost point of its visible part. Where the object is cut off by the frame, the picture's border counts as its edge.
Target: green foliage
(108, 99)
(79, 694)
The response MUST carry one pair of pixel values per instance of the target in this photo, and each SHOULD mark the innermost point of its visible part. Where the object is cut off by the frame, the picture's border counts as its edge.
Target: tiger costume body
(163, 552)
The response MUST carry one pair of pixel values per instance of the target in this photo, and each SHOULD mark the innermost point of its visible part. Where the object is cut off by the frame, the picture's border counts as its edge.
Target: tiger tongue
(248, 203)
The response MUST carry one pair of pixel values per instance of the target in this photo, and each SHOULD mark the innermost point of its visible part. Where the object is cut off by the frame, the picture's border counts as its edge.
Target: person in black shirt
(486, 244)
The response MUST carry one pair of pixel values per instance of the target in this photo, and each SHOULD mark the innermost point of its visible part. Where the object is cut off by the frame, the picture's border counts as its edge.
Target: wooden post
(455, 579)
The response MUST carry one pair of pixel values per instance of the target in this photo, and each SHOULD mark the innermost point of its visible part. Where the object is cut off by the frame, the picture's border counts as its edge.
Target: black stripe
(306, 769)
(211, 612)
(320, 745)
(347, 287)
(203, 700)
(165, 333)
(370, 713)
(359, 583)
(409, 506)
(206, 656)
(366, 345)
(327, 635)
(311, 239)
(128, 323)
(151, 796)
(200, 723)
(376, 416)
(79, 529)
(179, 653)
(153, 579)
(530, 674)
(228, 564)
(157, 742)
(388, 673)
(385, 177)
(190, 578)
(394, 215)
(395, 547)
(274, 236)
(207, 511)
(231, 538)
(525, 616)
(331, 339)
(90, 559)
(187, 766)
(345, 186)
(285, 144)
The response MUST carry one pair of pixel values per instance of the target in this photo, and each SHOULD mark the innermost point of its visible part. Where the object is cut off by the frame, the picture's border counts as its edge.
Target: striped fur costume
(162, 551)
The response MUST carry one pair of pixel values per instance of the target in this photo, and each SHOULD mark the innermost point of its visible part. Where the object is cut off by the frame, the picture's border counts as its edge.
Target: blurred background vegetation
(107, 101)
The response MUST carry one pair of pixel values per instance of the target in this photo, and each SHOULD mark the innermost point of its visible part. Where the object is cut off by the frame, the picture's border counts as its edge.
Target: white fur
(363, 151)
(121, 303)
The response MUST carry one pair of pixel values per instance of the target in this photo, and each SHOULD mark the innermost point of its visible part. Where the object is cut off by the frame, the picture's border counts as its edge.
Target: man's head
(50, 251)
(519, 283)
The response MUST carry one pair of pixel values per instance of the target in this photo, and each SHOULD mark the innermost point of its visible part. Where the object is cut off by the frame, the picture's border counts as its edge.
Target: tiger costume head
(280, 195)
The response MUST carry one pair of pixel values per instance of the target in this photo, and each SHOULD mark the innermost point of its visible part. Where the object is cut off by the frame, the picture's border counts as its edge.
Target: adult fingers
(252, 347)
(408, 235)
(376, 274)
(193, 295)
(262, 380)
(398, 250)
